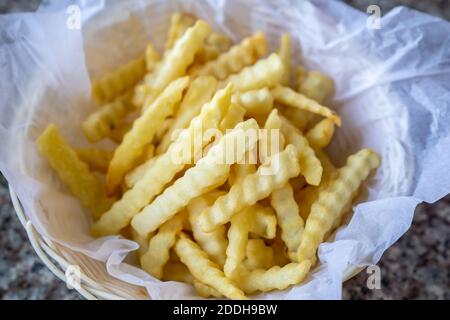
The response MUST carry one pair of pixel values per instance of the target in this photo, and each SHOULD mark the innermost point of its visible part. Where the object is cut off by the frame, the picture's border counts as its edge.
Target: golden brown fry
(157, 255)
(285, 53)
(199, 92)
(73, 172)
(293, 99)
(333, 199)
(209, 173)
(234, 60)
(253, 188)
(103, 121)
(116, 83)
(165, 167)
(142, 133)
(96, 159)
(204, 269)
(264, 73)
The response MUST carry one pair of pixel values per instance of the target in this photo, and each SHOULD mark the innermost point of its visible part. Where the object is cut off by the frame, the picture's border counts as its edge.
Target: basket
(93, 285)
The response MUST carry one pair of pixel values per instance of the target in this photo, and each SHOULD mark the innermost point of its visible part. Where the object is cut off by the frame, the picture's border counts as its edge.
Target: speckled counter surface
(416, 267)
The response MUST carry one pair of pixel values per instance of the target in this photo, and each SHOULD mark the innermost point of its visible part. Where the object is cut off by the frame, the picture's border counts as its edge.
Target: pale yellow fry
(209, 173)
(253, 188)
(234, 116)
(317, 86)
(257, 219)
(289, 220)
(157, 255)
(177, 271)
(272, 140)
(310, 165)
(213, 243)
(321, 134)
(333, 199)
(292, 99)
(142, 132)
(219, 40)
(152, 57)
(285, 53)
(199, 92)
(256, 102)
(134, 176)
(96, 159)
(234, 60)
(215, 44)
(120, 130)
(179, 58)
(73, 172)
(204, 269)
(299, 118)
(240, 171)
(275, 278)
(165, 127)
(141, 91)
(117, 82)
(264, 73)
(259, 256)
(165, 167)
(179, 23)
(206, 291)
(103, 121)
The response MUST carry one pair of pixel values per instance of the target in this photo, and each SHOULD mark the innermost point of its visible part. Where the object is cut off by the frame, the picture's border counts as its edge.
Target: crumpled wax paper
(393, 94)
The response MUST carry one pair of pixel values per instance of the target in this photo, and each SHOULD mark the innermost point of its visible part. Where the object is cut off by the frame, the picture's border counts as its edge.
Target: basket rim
(89, 288)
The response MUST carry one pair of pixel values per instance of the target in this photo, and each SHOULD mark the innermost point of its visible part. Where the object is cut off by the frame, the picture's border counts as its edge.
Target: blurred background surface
(416, 267)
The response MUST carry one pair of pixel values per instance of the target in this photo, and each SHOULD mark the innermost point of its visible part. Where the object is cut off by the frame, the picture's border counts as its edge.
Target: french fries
(73, 172)
(220, 172)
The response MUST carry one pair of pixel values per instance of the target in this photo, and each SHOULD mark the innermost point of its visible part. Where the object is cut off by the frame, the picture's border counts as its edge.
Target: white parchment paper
(393, 93)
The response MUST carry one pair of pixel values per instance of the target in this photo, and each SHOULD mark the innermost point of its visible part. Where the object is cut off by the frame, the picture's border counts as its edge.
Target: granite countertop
(416, 267)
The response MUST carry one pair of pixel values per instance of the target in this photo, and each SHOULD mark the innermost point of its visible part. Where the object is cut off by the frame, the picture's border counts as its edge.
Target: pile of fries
(219, 172)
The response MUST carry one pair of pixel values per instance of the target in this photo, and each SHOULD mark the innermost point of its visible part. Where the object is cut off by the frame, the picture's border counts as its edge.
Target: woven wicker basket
(93, 285)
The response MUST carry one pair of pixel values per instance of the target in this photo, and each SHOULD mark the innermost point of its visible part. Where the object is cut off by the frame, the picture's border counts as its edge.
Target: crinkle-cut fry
(259, 255)
(96, 159)
(310, 165)
(116, 83)
(142, 132)
(179, 24)
(264, 73)
(205, 291)
(317, 86)
(320, 135)
(240, 171)
(280, 255)
(253, 188)
(234, 116)
(165, 127)
(140, 94)
(157, 255)
(209, 173)
(204, 269)
(165, 168)
(274, 278)
(285, 53)
(103, 121)
(299, 118)
(234, 60)
(120, 130)
(334, 198)
(178, 59)
(263, 221)
(213, 243)
(152, 57)
(292, 99)
(177, 271)
(272, 140)
(220, 41)
(199, 92)
(134, 176)
(256, 102)
(289, 220)
(73, 172)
